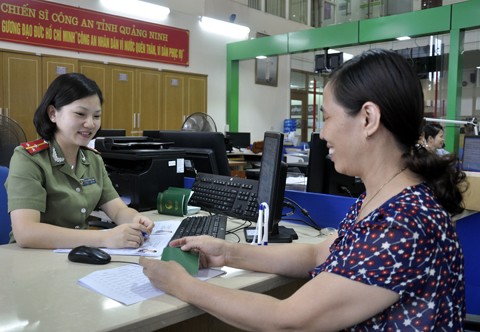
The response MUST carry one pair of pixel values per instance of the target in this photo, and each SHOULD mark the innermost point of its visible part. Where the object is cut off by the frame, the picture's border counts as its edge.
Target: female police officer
(55, 182)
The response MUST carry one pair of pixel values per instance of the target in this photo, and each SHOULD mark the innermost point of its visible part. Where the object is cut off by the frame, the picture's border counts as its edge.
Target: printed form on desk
(128, 285)
(153, 245)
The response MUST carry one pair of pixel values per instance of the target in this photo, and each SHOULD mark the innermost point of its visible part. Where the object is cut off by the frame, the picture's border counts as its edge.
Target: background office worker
(396, 263)
(54, 183)
(435, 138)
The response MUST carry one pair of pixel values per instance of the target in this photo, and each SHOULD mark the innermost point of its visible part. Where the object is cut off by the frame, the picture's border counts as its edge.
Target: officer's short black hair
(63, 90)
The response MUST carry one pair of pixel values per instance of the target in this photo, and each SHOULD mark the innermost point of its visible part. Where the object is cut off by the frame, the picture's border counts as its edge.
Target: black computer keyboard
(231, 196)
(213, 225)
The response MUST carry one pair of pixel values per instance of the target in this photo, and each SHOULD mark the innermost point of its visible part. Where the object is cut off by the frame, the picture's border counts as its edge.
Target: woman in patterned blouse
(395, 264)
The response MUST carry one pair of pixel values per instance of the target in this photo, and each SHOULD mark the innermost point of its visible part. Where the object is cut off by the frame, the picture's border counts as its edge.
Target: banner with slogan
(48, 24)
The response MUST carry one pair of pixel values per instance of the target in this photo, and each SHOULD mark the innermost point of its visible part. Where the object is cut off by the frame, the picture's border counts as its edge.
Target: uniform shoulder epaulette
(36, 146)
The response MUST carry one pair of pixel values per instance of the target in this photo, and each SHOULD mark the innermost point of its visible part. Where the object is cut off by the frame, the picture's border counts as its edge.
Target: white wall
(263, 107)
(208, 56)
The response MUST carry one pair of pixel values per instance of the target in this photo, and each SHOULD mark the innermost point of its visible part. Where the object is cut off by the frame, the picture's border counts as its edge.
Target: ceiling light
(403, 38)
(224, 28)
(137, 7)
(260, 57)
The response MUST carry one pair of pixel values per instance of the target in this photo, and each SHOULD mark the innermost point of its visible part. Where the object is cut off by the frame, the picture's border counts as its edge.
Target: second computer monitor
(197, 145)
(322, 176)
(471, 154)
(238, 140)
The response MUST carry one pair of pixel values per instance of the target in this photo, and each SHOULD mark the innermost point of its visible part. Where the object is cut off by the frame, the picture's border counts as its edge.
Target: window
(255, 4)
(298, 11)
(276, 7)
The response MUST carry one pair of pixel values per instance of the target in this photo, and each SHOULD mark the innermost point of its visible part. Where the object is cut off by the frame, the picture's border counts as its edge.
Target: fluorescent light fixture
(224, 28)
(333, 51)
(347, 56)
(137, 8)
(403, 38)
(260, 57)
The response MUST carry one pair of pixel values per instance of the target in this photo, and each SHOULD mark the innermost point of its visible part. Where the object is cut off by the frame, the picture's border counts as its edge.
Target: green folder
(187, 259)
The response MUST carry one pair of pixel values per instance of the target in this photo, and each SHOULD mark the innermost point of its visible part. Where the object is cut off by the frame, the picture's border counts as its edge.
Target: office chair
(5, 223)
(468, 229)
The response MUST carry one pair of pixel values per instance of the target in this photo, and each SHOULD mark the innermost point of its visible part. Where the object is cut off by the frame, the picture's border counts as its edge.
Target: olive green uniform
(41, 180)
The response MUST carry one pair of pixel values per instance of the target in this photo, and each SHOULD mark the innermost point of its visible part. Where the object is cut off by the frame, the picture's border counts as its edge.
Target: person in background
(434, 136)
(396, 262)
(55, 182)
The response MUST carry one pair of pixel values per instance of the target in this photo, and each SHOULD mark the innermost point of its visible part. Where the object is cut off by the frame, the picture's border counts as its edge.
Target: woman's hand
(131, 235)
(146, 222)
(164, 275)
(212, 251)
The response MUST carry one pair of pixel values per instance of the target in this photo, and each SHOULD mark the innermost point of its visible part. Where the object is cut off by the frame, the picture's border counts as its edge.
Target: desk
(241, 162)
(252, 159)
(237, 167)
(39, 292)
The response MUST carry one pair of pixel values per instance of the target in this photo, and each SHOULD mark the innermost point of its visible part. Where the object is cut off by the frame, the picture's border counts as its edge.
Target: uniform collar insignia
(56, 157)
(84, 159)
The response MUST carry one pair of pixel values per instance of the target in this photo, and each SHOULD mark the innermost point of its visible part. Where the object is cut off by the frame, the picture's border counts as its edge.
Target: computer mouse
(89, 255)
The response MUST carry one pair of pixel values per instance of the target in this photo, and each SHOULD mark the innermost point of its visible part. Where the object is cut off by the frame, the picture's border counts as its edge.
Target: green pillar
(454, 91)
(232, 94)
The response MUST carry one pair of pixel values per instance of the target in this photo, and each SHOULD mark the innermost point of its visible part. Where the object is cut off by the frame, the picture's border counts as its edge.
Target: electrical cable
(246, 223)
(302, 221)
(291, 204)
(346, 190)
(236, 235)
(233, 231)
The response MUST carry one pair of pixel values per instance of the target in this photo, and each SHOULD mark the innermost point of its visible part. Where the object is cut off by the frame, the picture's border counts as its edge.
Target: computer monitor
(471, 154)
(196, 144)
(200, 160)
(325, 63)
(110, 132)
(271, 186)
(322, 176)
(238, 139)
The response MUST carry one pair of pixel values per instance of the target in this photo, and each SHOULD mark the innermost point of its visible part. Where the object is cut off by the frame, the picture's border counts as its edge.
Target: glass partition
(443, 45)
(427, 54)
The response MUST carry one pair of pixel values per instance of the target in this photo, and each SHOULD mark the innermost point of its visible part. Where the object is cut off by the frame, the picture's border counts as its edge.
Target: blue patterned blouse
(409, 246)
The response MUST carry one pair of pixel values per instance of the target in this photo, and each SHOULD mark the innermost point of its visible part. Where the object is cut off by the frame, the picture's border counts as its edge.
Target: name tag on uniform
(88, 181)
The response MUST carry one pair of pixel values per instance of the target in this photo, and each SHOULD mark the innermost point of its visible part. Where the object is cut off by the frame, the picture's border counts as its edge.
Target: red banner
(49, 24)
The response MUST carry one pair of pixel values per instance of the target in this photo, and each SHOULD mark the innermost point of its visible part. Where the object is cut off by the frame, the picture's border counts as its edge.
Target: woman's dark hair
(64, 90)
(432, 130)
(388, 80)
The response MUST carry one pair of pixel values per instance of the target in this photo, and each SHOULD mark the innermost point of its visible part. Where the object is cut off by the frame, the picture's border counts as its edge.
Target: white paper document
(153, 246)
(128, 285)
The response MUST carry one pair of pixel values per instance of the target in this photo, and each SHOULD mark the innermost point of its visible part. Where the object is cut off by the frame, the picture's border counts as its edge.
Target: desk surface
(39, 292)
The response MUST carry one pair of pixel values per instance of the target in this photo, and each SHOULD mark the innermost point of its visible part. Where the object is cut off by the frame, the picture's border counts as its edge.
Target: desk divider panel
(325, 210)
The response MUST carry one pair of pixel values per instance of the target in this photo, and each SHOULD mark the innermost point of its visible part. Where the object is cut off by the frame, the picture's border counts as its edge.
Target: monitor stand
(281, 234)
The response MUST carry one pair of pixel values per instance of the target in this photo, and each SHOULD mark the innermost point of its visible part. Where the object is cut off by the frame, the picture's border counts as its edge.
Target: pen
(265, 223)
(260, 225)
